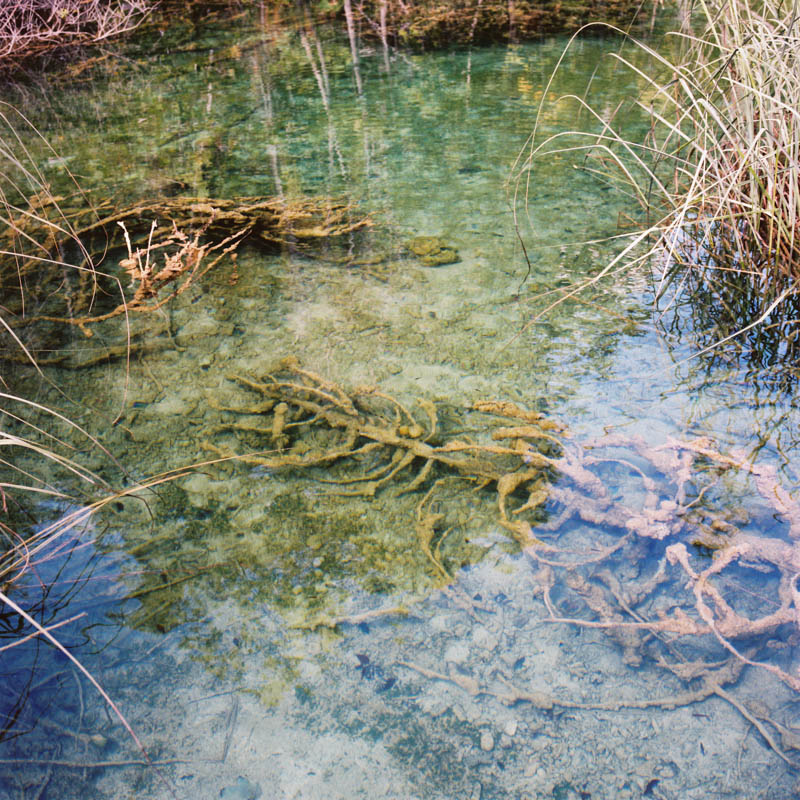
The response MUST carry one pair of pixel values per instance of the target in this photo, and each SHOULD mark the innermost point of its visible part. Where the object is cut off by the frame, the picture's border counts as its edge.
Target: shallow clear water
(235, 615)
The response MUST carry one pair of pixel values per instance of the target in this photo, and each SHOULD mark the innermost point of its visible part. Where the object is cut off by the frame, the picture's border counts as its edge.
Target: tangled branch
(545, 485)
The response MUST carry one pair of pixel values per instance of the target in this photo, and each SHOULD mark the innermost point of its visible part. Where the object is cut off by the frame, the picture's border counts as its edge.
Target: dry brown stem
(465, 682)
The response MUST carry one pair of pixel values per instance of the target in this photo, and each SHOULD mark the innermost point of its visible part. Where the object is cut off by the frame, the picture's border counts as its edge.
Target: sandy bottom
(405, 707)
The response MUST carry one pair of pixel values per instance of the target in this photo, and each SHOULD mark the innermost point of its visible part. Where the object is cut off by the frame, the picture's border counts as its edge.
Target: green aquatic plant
(432, 251)
(712, 160)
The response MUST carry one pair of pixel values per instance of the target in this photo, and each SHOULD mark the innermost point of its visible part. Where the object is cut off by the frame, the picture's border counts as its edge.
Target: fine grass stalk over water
(40, 445)
(715, 166)
(33, 449)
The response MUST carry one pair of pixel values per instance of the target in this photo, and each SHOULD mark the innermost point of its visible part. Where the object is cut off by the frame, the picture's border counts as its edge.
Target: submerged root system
(720, 597)
(368, 440)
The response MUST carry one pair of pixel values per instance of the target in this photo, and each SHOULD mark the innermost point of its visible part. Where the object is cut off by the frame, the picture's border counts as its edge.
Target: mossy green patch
(433, 251)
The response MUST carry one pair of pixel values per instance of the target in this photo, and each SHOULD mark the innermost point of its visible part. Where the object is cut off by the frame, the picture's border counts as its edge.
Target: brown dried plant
(29, 27)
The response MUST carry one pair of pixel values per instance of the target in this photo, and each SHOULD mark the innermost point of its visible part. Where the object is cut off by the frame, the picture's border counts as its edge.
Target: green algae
(433, 251)
(301, 560)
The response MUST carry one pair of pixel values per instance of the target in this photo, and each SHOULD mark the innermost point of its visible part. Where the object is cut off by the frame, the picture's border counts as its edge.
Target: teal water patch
(266, 627)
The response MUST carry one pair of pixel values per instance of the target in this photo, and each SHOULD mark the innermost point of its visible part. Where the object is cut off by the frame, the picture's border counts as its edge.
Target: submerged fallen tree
(715, 595)
(170, 243)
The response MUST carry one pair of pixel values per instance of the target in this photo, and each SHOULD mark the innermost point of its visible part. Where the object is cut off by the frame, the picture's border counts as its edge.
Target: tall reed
(717, 171)
(42, 449)
(31, 446)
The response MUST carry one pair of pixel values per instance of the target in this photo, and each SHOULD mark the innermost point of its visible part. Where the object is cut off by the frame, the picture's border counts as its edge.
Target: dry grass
(444, 23)
(35, 458)
(717, 174)
(27, 426)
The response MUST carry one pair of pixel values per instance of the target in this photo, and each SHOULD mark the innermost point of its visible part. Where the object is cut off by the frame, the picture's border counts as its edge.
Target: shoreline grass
(37, 458)
(717, 173)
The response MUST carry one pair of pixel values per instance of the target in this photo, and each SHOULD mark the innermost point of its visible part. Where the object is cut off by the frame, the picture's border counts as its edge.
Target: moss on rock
(433, 251)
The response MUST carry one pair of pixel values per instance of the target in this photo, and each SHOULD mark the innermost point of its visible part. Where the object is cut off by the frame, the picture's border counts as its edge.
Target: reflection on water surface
(267, 626)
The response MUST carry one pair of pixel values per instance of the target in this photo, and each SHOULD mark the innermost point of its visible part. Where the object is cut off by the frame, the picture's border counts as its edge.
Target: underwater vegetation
(378, 431)
(637, 541)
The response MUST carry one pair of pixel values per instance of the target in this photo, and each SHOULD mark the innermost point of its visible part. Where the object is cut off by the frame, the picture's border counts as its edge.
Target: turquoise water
(263, 633)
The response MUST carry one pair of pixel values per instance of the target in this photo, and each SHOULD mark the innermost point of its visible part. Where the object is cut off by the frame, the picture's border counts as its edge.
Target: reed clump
(717, 170)
(735, 122)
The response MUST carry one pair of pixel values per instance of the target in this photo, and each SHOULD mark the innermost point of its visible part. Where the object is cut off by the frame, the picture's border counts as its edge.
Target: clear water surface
(236, 615)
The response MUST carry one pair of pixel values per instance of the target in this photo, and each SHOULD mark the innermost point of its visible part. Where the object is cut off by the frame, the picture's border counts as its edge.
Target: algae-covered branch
(170, 243)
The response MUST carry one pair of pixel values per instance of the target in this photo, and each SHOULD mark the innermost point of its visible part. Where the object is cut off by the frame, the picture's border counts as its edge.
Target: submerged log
(170, 243)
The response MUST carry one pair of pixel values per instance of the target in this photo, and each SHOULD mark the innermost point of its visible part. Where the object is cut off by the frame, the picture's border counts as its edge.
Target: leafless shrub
(31, 26)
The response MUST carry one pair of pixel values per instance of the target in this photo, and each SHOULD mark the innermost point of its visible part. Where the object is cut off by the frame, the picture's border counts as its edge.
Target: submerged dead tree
(169, 244)
(714, 595)
(387, 443)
